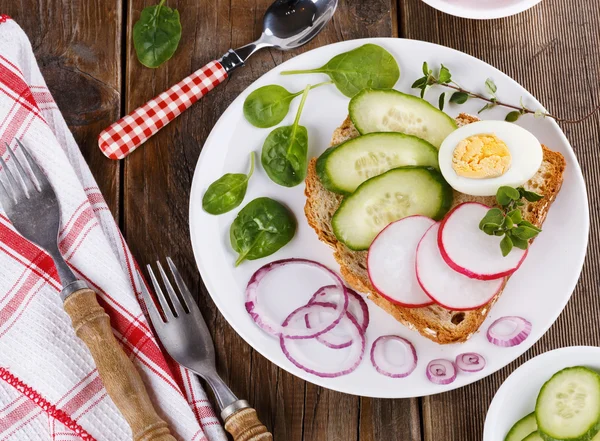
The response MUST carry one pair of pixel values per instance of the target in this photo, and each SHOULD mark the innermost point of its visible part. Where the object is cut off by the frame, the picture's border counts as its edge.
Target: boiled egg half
(479, 158)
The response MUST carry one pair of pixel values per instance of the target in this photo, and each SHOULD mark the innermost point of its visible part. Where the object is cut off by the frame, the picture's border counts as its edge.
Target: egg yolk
(481, 156)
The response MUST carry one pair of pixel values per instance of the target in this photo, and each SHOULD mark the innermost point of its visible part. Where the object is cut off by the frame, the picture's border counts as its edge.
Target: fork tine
(28, 184)
(155, 316)
(188, 300)
(41, 178)
(6, 198)
(15, 193)
(174, 298)
(168, 313)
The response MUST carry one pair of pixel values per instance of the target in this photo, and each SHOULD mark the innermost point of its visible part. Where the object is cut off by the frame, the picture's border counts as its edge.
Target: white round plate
(517, 395)
(538, 291)
(482, 9)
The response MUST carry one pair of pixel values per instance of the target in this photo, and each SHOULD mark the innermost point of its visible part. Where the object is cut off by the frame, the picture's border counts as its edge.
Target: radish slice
(393, 356)
(470, 362)
(509, 331)
(445, 286)
(299, 331)
(338, 337)
(468, 250)
(441, 371)
(315, 358)
(391, 261)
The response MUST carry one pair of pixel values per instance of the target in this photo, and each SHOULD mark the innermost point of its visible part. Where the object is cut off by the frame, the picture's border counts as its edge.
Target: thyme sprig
(461, 95)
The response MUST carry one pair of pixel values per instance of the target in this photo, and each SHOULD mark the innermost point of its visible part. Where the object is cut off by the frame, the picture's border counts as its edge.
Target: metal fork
(185, 336)
(31, 205)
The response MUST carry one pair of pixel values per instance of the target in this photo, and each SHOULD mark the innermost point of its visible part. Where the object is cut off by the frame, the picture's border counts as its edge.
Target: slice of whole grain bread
(434, 322)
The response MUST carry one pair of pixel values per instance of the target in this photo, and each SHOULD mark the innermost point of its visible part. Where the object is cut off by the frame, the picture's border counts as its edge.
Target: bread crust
(438, 324)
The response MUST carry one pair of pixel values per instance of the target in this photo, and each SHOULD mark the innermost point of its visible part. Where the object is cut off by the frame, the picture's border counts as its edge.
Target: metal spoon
(287, 24)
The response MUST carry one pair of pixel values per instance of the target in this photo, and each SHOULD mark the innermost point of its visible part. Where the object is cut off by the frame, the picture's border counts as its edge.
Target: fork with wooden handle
(185, 336)
(30, 203)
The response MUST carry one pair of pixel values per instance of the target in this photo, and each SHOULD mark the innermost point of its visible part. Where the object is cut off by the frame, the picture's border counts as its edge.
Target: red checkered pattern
(49, 386)
(127, 134)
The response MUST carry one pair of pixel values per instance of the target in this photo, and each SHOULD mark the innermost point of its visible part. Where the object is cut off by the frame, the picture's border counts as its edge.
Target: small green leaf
(489, 229)
(493, 217)
(490, 86)
(445, 75)
(227, 192)
(459, 98)
(425, 69)
(487, 107)
(508, 223)
(418, 84)
(539, 113)
(512, 116)
(515, 215)
(506, 245)
(423, 92)
(528, 224)
(499, 233)
(524, 232)
(532, 196)
(519, 243)
(506, 194)
(441, 101)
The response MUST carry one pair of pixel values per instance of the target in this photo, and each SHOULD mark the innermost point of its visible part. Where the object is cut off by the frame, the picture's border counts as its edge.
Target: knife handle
(127, 134)
(118, 374)
(244, 425)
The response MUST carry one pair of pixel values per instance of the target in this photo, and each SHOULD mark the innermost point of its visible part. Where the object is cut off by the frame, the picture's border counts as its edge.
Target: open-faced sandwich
(429, 215)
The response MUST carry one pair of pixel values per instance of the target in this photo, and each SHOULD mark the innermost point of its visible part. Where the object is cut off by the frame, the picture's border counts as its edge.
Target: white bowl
(482, 9)
(516, 397)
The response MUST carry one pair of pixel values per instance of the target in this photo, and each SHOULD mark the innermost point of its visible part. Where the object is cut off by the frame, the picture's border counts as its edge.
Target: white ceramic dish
(517, 395)
(482, 9)
(538, 291)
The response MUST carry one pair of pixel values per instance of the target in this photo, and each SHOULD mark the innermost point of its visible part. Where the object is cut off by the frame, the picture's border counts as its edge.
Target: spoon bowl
(288, 24)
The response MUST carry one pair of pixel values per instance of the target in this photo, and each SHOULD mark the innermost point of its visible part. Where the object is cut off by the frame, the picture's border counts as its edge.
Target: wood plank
(78, 49)
(157, 180)
(552, 50)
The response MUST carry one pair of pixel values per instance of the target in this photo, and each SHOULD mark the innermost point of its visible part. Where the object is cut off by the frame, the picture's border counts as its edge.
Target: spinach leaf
(261, 228)
(268, 105)
(366, 66)
(227, 192)
(156, 34)
(285, 151)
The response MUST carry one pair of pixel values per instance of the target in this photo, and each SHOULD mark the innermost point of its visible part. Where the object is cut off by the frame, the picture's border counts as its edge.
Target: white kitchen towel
(49, 387)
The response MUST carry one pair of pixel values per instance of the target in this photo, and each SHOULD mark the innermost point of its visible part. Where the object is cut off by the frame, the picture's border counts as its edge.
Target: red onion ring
(384, 366)
(470, 362)
(520, 330)
(267, 324)
(441, 371)
(355, 355)
(357, 307)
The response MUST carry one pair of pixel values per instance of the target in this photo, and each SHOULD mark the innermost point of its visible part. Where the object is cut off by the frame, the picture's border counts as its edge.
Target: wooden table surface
(85, 51)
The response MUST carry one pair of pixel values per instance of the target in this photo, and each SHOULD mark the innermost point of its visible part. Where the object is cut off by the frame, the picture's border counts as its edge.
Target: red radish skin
(489, 288)
(461, 268)
(421, 300)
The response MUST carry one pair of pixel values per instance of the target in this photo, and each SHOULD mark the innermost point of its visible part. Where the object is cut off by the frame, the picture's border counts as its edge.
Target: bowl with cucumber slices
(553, 397)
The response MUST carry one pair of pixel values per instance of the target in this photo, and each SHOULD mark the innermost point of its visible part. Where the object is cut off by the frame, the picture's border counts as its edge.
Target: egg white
(525, 149)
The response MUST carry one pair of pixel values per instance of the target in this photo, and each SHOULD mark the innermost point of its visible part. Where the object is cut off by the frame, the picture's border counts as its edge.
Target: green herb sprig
(443, 77)
(507, 220)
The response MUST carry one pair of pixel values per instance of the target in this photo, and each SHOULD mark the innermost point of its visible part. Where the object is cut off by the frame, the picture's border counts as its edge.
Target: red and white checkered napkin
(49, 387)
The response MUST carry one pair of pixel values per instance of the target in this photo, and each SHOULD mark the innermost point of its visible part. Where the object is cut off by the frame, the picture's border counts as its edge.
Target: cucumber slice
(522, 428)
(568, 405)
(391, 111)
(343, 168)
(386, 198)
(535, 436)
